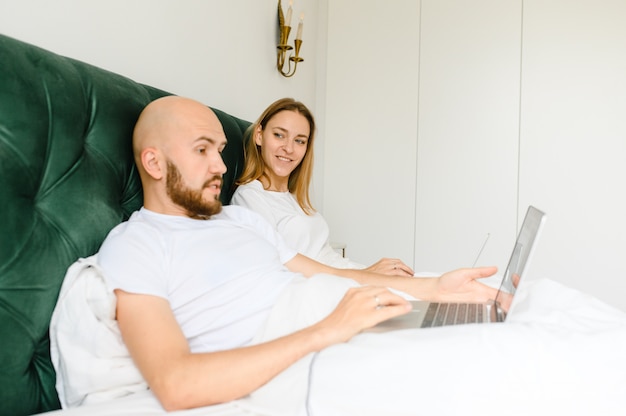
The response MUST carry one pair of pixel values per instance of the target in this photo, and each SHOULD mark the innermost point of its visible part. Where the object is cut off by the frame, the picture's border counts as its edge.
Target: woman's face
(284, 143)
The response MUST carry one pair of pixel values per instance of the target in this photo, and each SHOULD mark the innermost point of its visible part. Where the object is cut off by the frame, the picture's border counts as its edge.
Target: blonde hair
(254, 165)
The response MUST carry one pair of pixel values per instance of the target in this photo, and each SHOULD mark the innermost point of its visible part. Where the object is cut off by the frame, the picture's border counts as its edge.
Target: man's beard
(190, 199)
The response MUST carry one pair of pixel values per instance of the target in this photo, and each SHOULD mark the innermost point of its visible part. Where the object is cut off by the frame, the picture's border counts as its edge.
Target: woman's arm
(458, 286)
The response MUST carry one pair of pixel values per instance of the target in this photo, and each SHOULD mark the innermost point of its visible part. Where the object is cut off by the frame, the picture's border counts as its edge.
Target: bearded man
(195, 281)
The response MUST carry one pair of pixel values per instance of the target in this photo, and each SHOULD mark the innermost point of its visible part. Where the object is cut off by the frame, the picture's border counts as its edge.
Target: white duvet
(560, 352)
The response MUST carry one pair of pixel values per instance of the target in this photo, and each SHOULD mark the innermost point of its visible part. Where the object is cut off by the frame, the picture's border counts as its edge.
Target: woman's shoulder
(254, 187)
(253, 193)
(248, 194)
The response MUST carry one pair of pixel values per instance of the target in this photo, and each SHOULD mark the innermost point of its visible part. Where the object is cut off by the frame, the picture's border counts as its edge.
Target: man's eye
(201, 150)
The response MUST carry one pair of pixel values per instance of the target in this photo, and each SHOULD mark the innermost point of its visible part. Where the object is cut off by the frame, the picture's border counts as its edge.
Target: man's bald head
(177, 144)
(164, 119)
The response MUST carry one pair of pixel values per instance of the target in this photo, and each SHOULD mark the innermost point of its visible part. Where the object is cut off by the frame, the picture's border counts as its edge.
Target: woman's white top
(308, 234)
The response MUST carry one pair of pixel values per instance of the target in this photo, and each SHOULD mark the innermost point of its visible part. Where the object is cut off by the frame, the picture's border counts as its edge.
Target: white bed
(560, 352)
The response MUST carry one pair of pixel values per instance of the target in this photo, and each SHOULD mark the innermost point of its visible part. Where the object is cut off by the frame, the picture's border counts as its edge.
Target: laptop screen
(521, 251)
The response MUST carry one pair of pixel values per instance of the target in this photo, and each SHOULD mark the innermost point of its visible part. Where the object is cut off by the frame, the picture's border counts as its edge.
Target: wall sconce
(284, 27)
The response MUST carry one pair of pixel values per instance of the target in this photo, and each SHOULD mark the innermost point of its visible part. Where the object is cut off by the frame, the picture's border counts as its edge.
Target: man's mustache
(213, 179)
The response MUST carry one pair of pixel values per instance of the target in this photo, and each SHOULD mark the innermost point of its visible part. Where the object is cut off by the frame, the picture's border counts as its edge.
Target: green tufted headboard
(66, 178)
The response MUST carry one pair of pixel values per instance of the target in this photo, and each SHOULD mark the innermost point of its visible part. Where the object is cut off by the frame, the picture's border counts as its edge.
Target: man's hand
(462, 286)
(361, 308)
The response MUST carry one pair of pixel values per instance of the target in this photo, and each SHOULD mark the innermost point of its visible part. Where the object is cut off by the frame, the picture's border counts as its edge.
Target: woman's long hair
(254, 166)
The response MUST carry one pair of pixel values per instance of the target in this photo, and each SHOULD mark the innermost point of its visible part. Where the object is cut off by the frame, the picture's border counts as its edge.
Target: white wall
(519, 102)
(469, 94)
(574, 140)
(371, 127)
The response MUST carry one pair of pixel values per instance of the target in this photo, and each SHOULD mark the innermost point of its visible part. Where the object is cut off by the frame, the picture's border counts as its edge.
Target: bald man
(195, 281)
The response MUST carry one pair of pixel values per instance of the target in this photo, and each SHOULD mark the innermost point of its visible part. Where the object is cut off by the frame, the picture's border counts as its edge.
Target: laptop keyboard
(439, 314)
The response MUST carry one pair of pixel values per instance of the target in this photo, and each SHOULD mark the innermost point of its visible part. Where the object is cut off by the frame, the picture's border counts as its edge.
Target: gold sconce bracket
(283, 45)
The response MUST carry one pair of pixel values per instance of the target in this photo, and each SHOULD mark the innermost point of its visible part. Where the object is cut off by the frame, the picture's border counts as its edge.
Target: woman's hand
(391, 267)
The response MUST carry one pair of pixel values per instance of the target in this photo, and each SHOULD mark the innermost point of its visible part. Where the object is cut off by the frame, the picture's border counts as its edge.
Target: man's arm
(181, 379)
(458, 286)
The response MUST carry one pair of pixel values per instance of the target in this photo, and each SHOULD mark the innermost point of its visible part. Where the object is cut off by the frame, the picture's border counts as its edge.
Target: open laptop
(431, 314)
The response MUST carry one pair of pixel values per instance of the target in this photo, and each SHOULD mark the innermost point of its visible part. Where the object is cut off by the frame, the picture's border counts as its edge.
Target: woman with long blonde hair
(275, 183)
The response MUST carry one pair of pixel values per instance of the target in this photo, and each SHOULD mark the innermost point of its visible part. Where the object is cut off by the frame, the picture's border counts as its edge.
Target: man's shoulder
(137, 226)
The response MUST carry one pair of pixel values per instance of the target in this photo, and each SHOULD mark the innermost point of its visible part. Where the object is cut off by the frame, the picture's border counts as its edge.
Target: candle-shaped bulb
(289, 11)
(299, 34)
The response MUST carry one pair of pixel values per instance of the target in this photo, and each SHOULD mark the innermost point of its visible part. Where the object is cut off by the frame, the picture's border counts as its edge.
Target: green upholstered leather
(66, 178)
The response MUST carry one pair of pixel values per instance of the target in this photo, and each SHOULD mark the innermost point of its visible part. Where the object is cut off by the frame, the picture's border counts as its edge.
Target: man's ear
(257, 135)
(151, 163)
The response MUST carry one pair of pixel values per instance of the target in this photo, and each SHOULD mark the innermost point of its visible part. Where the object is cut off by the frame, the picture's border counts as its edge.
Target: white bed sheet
(560, 352)
(144, 403)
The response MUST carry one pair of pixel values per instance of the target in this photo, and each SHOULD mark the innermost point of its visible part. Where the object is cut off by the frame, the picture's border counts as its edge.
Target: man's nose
(217, 165)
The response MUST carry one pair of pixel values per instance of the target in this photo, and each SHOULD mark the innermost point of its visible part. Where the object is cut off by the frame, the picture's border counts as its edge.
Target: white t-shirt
(221, 276)
(308, 234)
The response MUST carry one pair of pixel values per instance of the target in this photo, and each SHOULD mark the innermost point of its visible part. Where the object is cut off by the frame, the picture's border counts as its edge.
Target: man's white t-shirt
(221, 276)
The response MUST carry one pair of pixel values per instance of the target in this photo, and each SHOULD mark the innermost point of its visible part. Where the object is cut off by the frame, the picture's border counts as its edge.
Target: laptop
(427, 314)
